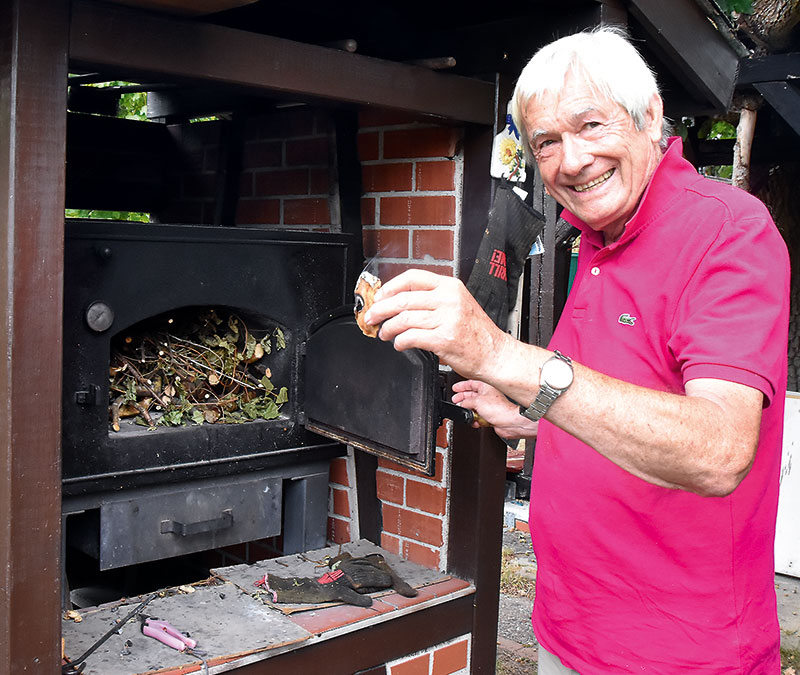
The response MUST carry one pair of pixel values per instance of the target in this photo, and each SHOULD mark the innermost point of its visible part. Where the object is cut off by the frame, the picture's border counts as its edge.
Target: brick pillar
(411, 208)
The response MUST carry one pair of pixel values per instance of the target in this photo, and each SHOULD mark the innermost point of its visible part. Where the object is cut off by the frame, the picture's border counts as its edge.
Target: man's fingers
(402, 302)
(466, 385)
(421, 319)
(410, 280)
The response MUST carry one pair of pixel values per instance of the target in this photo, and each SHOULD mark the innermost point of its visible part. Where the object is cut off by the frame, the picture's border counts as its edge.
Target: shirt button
(595, 271)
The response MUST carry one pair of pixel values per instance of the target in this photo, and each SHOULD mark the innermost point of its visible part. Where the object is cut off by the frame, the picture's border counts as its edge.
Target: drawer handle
(188, 529)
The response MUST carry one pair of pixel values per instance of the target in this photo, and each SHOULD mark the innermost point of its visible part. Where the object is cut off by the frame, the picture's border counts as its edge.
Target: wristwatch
(554, 379)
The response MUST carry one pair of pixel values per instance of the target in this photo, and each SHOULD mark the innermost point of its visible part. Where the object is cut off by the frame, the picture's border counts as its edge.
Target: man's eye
(591, 125)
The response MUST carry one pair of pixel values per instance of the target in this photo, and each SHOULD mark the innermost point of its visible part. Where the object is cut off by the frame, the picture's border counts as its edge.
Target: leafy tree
(738, 6)
(714, 130)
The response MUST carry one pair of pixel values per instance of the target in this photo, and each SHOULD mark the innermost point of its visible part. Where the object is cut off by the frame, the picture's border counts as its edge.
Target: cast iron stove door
(361, 391)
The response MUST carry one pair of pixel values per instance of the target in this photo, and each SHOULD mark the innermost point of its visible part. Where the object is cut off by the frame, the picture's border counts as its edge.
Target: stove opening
(198, 366)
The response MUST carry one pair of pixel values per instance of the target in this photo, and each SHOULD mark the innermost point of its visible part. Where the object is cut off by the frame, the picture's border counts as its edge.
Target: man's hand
(437, 313)
(495, 408)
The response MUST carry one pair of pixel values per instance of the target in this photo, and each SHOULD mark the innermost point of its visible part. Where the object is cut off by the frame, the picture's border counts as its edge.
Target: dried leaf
(189, 356)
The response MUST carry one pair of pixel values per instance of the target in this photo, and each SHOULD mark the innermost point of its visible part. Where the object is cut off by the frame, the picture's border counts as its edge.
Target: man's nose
(574, 154)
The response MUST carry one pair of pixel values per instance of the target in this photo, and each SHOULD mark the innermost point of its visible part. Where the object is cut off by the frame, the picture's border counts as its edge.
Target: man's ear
(654, 120)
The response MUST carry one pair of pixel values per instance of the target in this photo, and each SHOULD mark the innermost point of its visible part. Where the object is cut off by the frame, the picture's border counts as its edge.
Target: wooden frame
(37, 38)
(707, 64)
(33, 61)
(110, 38)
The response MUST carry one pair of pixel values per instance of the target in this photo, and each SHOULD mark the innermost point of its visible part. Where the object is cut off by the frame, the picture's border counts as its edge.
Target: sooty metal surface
(119, 274)
(361, 391)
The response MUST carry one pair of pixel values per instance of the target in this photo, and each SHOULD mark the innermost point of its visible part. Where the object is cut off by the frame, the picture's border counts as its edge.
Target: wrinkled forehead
(577, 98)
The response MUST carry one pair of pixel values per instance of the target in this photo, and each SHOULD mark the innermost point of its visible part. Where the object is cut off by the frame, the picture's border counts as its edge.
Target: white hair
(607, 60)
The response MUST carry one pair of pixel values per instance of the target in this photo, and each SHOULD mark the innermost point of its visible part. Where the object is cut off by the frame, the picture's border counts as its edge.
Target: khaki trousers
(550, 664)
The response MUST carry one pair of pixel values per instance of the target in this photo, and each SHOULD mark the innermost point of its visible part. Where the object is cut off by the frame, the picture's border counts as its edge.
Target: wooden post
(744, 143)
(33, 70)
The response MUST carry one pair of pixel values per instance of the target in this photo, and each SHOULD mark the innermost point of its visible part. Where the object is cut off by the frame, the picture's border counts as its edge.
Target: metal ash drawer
(164, 522)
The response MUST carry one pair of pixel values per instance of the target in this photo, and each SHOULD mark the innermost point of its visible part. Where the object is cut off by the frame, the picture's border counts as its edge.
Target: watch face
(557, 373)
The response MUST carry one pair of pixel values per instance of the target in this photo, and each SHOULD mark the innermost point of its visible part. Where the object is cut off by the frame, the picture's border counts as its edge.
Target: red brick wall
(451, 658)
(411, 175)
(410, 213)
(411, 197)
(286, 172)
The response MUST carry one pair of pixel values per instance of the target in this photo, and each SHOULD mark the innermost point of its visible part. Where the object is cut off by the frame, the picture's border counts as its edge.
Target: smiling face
(592, 158)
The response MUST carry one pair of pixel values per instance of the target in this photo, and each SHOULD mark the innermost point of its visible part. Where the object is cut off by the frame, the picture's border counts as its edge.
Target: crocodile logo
(626, 319)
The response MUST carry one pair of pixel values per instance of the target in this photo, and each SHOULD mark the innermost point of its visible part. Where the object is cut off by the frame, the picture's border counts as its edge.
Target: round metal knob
(99, 316)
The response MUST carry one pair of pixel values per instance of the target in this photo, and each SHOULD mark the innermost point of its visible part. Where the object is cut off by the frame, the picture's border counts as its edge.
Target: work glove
(371, 573)
(330, 587)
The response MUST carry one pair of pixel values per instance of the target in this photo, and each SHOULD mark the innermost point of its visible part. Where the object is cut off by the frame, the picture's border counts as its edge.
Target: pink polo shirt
(638, 578)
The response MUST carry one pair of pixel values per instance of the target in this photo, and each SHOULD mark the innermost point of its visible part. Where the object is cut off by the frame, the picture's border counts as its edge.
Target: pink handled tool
(164, 632)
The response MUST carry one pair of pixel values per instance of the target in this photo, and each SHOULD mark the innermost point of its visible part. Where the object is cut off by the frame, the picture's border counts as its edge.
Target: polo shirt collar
(672, 173)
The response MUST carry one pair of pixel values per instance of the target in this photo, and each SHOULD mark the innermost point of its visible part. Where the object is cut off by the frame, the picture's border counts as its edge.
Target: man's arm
(703, 442)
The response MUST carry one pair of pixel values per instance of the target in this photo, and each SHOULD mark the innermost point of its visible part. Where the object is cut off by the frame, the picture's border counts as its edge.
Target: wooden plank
(701, 57)
(185, 7)
(106, 37)
(33, 69)
(224, 621)
(785, 99)
(478, 473)
(777, 67)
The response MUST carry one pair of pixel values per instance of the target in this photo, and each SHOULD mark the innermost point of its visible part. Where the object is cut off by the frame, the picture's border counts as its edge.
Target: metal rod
(77, 665)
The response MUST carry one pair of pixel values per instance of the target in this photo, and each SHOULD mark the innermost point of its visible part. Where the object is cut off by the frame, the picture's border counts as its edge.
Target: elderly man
(661, 394)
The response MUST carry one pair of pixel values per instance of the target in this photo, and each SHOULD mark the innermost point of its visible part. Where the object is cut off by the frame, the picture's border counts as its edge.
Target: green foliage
(108, 215)
(713, 130)
(131, 105)
(716, 129)
(739, 6)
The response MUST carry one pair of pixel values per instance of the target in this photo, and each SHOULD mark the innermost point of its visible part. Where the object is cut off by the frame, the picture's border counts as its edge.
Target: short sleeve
(731, 321)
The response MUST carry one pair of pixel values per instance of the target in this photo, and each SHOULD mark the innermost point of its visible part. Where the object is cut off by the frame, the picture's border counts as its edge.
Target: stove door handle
(224, 522)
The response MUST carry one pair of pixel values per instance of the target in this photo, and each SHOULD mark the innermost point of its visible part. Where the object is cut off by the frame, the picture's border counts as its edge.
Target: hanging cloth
(510, 233)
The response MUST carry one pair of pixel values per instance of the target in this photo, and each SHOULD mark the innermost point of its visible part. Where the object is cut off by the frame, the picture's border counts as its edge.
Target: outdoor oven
(151, 491)
(163, 496)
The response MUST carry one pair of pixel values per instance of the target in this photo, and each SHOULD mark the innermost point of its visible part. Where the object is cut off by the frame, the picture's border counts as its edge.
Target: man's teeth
(596, 181)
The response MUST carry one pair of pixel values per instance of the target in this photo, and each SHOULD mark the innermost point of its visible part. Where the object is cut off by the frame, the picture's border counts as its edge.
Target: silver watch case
(554, 379)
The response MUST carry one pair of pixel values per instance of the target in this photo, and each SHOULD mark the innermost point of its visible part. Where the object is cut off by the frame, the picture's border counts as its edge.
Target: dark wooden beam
(141, 44)
(612, 12)
(33, 69)
(778, 67)
(477, 488)
(785, 99)
(478, 457)
(701, 57)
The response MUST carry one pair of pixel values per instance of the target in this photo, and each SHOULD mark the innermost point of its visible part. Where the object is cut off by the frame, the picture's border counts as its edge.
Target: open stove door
(361, 391)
